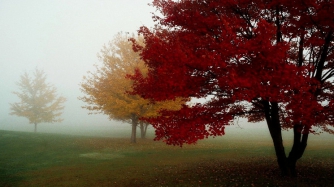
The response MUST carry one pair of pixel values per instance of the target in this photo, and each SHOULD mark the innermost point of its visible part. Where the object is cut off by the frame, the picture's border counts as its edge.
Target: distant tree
(107, 89)
(264, 60)
(39, 101)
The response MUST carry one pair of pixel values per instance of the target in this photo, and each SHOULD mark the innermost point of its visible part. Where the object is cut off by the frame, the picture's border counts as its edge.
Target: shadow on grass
(259, 171)
(256, 172)
(8, 179)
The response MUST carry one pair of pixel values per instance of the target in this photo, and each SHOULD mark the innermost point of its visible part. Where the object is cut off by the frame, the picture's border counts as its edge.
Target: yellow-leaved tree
(39, 101)
(106, 89)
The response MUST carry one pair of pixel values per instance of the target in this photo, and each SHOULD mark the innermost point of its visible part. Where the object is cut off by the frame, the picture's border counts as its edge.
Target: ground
(28, 159)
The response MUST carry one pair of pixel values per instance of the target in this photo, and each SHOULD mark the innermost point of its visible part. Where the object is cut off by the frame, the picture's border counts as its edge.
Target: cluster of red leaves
(197, 123)
(247, 51)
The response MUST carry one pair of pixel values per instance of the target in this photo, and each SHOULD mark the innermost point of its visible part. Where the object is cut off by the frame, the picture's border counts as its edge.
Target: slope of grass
(28, 159)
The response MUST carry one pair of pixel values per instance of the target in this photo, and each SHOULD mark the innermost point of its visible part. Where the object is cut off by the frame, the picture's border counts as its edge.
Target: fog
(63, 38)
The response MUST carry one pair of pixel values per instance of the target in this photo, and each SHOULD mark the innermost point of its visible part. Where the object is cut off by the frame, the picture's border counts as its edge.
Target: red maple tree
(266, 60)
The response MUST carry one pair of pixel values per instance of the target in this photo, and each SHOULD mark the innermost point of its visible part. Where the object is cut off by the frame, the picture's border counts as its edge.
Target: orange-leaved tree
(107, 89)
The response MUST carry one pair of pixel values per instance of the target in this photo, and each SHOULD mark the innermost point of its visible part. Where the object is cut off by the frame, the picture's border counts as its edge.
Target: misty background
(63, 38)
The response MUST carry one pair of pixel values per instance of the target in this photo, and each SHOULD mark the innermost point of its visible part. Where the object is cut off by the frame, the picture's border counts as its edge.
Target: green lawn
(28, 159)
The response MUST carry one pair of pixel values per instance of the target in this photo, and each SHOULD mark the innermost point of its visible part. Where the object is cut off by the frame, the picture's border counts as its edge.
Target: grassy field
(28, 159)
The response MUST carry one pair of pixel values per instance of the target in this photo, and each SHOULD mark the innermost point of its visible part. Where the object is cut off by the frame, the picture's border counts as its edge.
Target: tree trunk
(298, 147)
(35, 130)
(287, 165)
(274, 126)
(134, 120)
(143, 129)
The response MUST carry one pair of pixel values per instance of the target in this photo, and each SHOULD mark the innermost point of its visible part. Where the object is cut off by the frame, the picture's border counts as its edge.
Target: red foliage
(243, 54)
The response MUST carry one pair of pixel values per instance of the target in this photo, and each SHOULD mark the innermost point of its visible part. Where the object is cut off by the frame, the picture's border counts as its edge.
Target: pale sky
(62, 37)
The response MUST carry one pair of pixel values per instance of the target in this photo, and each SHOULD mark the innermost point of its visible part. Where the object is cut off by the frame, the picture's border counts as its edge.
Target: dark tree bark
(274, 126)
(286, 164)
(298, 147)
(134, 124)
(324, 54)
(143, 129)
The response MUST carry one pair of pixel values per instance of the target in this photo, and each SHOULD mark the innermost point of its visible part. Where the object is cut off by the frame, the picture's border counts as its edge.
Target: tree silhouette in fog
(38, 100)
